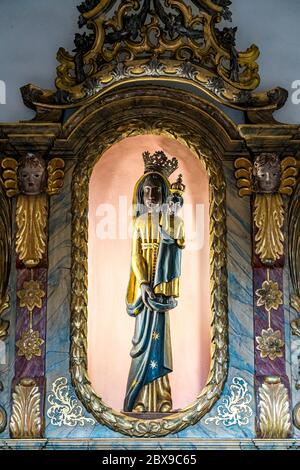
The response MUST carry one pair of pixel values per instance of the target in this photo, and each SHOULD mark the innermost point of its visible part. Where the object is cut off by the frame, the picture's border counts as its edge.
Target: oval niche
(110, 328)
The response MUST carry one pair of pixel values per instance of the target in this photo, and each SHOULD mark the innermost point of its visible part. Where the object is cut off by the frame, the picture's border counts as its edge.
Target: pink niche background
(110, 329)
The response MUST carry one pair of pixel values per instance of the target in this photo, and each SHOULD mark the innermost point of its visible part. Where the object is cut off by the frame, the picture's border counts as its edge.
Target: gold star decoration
(270, 344)
(30, 344)
(31, 295)
(155, 335)
(269, 296)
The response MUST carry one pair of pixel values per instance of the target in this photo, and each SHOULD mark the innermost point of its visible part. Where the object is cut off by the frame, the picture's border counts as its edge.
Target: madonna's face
(152, 189)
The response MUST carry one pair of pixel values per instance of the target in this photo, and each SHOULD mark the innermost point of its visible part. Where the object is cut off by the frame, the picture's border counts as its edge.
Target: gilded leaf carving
(31, 237)
(269, 219)
(26, 421)
(274, 412)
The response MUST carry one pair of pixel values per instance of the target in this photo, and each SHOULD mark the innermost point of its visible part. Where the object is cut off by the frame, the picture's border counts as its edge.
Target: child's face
(173, 205)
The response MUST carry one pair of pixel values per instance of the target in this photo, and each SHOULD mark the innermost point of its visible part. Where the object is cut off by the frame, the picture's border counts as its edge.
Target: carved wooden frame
(160, 116)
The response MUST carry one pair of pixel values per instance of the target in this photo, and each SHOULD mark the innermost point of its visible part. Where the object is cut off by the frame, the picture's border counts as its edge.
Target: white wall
(31, 31)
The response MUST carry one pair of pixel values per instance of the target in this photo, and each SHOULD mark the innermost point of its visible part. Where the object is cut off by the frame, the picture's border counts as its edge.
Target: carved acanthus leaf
(26, 419)
(269, 219)
(274, 413)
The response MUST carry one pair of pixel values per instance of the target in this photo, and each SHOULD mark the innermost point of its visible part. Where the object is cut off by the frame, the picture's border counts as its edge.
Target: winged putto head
(266, 175)
(31, 175)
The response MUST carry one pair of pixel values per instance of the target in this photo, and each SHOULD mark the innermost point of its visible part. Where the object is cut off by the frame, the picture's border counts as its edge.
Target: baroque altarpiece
(169, 70)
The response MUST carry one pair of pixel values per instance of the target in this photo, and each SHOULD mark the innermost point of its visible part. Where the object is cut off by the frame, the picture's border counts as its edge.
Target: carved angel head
(32, 175)
(266, 173)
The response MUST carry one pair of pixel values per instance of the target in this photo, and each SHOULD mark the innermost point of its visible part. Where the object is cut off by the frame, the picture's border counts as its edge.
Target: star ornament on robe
(153, 365)
(155, 335)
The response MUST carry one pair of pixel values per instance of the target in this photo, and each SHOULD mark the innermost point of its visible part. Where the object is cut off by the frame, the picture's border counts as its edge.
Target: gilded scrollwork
(168, 39)
(25, 421)
(31, 181)
(268, 180)
(218, 371)
(274, 413)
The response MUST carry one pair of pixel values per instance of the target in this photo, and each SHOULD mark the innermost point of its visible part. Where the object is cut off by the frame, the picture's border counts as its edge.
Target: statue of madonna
(158, 240)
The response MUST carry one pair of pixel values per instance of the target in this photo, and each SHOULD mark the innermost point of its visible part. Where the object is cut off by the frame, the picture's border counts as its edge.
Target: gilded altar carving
(270, 343)
(274, 414)
(5, 258)
(268, 180)
(5, 265)
(218, 370)
(164, 39)
(31, 181)
(25, 421)
(30, 297)
(269, 295)
(294, 256)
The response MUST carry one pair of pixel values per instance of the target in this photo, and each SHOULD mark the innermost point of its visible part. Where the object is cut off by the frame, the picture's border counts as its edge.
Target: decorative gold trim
(25, 422)
(270, 344)
(175, 128)
(296, 416)
(31, 236)
(30, 297)
(268, 212)
(29, 345)
(294, 256)
(5, 257)
(274, 413)
(32, 210)
(268, 217)
(55, 171)
(155, 40)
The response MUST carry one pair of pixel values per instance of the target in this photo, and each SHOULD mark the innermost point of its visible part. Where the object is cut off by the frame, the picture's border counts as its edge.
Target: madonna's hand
(147, 291)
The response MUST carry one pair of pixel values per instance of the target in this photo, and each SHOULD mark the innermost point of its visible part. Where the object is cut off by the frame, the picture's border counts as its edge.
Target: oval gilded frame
(159, 118)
